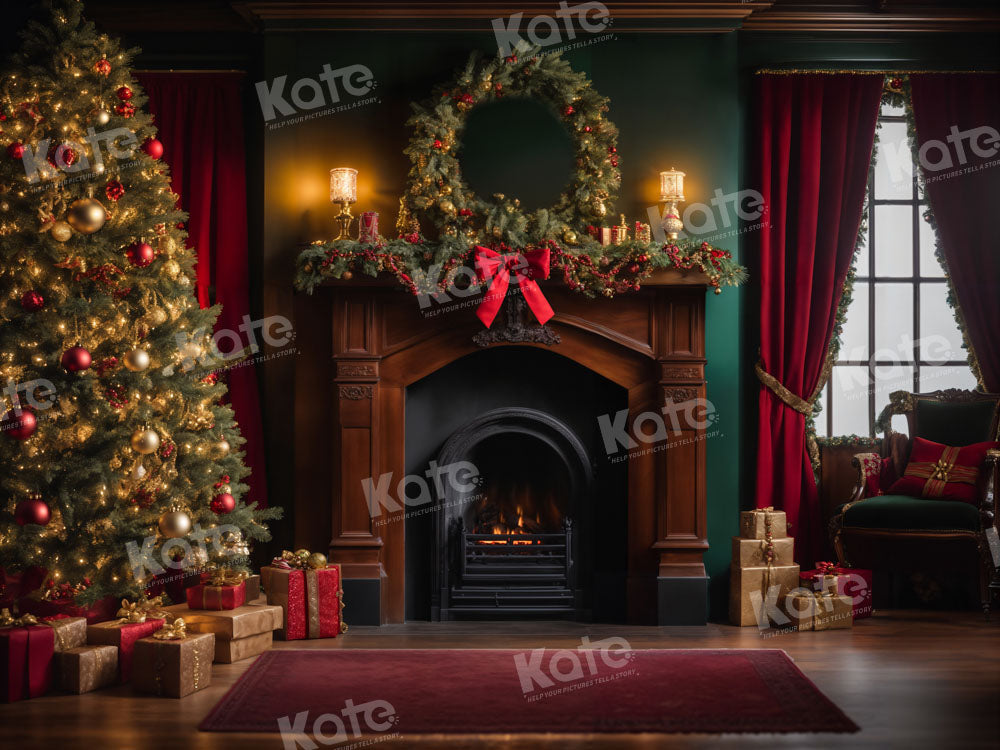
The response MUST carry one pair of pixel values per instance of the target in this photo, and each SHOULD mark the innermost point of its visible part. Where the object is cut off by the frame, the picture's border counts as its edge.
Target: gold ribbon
(792, 401)
(175, 631)
(227, 577)
(300, 560)
(136, 612)
(7, 620)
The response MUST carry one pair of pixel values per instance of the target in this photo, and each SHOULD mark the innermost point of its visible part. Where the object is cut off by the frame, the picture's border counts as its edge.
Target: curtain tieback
(787, 397)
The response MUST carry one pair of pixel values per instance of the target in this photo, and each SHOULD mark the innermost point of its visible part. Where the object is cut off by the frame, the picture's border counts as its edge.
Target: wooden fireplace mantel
(362, 342)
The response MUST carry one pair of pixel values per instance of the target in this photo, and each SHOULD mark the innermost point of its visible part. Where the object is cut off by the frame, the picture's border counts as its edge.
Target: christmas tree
(114, 439)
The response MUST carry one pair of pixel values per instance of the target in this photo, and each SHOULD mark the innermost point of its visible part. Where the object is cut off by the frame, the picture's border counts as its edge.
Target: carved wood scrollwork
(354, 370)
(678, 395)
(356, 392)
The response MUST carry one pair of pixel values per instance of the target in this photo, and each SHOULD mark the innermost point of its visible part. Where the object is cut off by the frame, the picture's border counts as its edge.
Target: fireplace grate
(515, 574)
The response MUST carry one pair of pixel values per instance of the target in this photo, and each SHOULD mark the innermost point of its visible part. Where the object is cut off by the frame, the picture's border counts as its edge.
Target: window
(900, 332)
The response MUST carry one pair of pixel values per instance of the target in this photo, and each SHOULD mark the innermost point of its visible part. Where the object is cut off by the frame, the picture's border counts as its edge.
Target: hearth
(404, 382)
(507, 548)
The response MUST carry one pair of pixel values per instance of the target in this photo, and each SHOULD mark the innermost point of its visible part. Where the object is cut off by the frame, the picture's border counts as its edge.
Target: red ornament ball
(32, 301)
(61, 155)
(114, 190)
(15, 150)
(124, 93)
(125, 109)
(153, 148)
(32, 510)
(75, 359)
(140, 254)
(223, 503)
(102, 66)
(19, 426)
(437, 143)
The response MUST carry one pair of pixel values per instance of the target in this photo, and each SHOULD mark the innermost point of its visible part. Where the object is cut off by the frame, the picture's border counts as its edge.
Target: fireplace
(561, 524)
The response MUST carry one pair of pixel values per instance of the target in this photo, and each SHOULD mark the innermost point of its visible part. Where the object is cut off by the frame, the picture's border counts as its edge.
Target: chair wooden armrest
(987, 499)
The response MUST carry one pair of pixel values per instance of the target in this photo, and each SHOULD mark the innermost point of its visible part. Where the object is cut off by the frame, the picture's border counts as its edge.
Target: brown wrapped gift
(87, 668)
(745, 582)
(819, 611)
(227, 652)
(753, 523)
(71, 632)
(749, 553)
(253, 589)
(231, 624)
(173, 668)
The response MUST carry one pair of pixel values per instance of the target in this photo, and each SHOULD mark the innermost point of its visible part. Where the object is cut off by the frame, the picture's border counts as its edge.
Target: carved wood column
(355, 543)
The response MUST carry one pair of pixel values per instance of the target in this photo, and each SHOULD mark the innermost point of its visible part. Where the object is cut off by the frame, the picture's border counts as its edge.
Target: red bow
(829, 568)
(526, 267)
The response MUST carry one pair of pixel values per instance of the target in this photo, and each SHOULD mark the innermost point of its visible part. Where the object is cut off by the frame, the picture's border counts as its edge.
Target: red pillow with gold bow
(942, 471)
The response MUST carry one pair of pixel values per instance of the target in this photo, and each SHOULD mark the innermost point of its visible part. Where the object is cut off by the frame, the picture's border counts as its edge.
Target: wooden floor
(909, 679)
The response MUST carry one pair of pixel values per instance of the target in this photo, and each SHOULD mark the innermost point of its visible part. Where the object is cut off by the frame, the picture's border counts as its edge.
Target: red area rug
(368, 692)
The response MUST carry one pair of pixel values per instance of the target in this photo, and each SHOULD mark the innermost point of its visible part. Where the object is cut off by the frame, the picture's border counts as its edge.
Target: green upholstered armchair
(880, 530)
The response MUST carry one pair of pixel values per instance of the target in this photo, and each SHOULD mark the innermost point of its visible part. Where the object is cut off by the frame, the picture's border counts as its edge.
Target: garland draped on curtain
(199, 117)
(814, 136)
(962, 180)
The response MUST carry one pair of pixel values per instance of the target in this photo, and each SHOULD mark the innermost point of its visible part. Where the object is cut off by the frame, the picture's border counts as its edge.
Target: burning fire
(503, 528)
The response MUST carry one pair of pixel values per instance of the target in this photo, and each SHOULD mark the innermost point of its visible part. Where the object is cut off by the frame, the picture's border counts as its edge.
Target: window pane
(849, 386)
(854, 338)
(929, 265)
(894, 322)
(893, 164)
(893, 240)
(953, 376)
(891, 110)
(899, 424)
(940, 339)
(889, 379)
(821, 420)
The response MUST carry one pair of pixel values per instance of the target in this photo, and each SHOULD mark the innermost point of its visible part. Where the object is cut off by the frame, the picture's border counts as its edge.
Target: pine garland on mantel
(439, 203)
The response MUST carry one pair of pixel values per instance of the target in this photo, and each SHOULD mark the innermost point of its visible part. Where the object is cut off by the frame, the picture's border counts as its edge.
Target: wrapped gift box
(87, 668)
(854, 583)
(231, 624)
(227, 652)
(750, 553)
(26, 657)
(252, 585)
(311, 599)
(819, 611)
(754, 523)
(123, 636)
(173, 668)
(70, 632)
(207, 596)
(99, 611)
(748, 591)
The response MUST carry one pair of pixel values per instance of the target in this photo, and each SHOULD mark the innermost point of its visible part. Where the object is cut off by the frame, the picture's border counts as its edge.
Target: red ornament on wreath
(153, 148)
(223, 503)
(18, 424)
(103, 67)
(124, 93)
(15, 150)
(114, 190)
(140, 254)
(32, 510)
(32, 301)
(75, 359)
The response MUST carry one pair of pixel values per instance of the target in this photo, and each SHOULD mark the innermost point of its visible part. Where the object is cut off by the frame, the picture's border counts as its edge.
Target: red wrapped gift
(136, 620)
(854, 583)
(217, 595)
(99, 611)
(26, 654)
(311, 597)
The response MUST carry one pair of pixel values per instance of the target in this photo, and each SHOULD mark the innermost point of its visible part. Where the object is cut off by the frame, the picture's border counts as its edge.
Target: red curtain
(957, 115)
(200, 121)
(814, 142)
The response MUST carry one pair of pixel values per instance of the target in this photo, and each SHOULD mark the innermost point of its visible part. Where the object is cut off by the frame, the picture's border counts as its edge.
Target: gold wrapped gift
(231, 624)
(752, 553)
(227, 652)
(70, 632)
(750, 589)
(819, 611)
(87, 668)
(253, 588)
(173, 668)
(755, 524)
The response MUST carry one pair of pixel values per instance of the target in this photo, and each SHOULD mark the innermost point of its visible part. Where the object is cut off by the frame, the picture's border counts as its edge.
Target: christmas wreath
(495, 236)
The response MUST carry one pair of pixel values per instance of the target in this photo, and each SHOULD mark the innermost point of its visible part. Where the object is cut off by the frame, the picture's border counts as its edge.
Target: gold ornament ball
(222, 448)
(172, 268)
(569, 237)
(157, 316)
(174, 523)
(316, 561)
(86, 215)
(600, 208)
(447, 206)
(145, 441)
(61, 231)
(137, 360)
(190, 350)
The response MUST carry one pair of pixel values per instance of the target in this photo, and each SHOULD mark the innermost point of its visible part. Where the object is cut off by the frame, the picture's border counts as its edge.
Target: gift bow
(526, 267)
(7, 620)
(226, 577)
(133, 612)
(289, 560)
(829, 568)
(175, 631)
